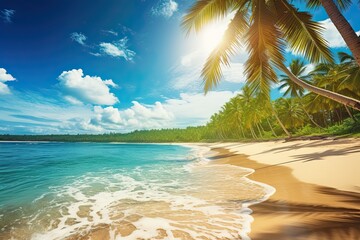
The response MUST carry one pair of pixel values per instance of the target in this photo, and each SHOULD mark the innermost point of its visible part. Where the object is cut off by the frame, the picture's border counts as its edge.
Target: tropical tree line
(298, 112)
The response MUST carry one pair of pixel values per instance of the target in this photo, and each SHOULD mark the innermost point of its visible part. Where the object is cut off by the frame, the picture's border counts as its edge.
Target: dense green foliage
(190, 134)
(248, 115)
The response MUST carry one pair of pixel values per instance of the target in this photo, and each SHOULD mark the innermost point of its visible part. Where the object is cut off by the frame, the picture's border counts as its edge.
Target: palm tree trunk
(279, 121)
(337, 115)
(258, 128)
(344, 28)
(325, 119)
(348, 101)
(261, 127)
(310, 117)
(253, 133)
(350, 114)
(272, 130)
(242, 131)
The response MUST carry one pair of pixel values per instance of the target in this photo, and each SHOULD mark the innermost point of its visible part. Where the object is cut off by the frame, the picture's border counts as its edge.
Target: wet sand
(320, 201)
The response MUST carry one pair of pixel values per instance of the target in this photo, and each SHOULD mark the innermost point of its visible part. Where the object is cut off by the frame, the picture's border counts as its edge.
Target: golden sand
(317, 187)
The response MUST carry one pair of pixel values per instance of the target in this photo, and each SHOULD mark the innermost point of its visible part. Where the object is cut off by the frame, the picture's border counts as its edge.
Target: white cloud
(29, 112)
(111, 32)
(7, 15)
(33, 113)
(190, 109)
(4, 89)
(5, 77)
(309, 68)
(86, 89)
(138, 116)
(187, 72)
(332, 35)
(78, 37)
(118, 49)
(73, 100)
(165, 8)
(197, 108)
(112, 50)
(107, 115)
(95, 54)
(235, 73)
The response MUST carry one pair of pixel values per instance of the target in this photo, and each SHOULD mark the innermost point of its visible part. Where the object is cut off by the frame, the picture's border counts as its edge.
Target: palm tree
(339, 77)
(265, 26)
(290, 111)
(236, 111)
(298, 68)
(251, 104)
(332, 8)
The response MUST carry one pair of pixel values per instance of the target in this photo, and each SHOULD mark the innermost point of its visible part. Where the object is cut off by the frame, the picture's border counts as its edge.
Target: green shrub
(309, 130)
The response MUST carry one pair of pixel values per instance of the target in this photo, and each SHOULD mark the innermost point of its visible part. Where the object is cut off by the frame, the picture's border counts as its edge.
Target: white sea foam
(197, 199)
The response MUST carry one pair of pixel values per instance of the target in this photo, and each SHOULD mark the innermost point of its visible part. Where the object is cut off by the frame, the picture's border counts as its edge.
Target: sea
(55, 190)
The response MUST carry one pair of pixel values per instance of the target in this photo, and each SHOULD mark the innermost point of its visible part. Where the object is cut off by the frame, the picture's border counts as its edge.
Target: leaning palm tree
(298, 68)
(340, 78)
(266, 27)
(333, 9)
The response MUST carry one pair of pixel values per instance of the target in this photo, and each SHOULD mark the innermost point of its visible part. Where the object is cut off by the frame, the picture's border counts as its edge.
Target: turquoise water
(120, 191)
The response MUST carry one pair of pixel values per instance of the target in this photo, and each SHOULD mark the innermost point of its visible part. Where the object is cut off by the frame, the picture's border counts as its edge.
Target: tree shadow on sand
(311, 144)
(317, 156)
(313, 221)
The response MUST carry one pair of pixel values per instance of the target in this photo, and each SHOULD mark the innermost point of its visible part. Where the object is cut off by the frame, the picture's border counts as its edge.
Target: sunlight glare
(212, 35)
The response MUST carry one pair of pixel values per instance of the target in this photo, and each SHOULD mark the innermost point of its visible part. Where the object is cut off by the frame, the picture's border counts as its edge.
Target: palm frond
(302, 33)
(344, 57)
(342, 4)
(206, 11)
(265, 48)
(211, 72)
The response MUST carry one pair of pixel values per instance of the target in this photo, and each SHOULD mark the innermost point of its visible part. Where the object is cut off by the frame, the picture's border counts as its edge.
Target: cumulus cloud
(7, 15)
(118, 49)
(332, 35)
(189, 109)
(78, 37)
(34, 113)
(165, 8)
(138, 116)
(5, 77)
(86, 89)
(192, 109)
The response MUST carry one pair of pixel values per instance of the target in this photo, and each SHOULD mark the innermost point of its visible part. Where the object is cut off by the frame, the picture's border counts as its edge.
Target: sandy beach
(317, 186)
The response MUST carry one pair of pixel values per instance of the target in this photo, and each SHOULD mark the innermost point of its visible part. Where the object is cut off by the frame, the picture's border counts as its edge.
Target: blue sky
(112, 66)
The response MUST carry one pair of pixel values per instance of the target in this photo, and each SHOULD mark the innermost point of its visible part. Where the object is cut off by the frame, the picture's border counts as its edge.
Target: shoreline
(305, 204)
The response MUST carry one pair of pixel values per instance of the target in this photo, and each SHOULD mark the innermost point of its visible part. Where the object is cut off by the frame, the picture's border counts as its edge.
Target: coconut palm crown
(266, 28)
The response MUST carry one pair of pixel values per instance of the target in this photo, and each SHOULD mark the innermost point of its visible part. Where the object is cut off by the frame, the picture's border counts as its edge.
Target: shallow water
(121, 191)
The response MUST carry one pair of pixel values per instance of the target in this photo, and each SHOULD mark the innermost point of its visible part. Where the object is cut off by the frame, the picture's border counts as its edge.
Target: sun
(212, 35)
